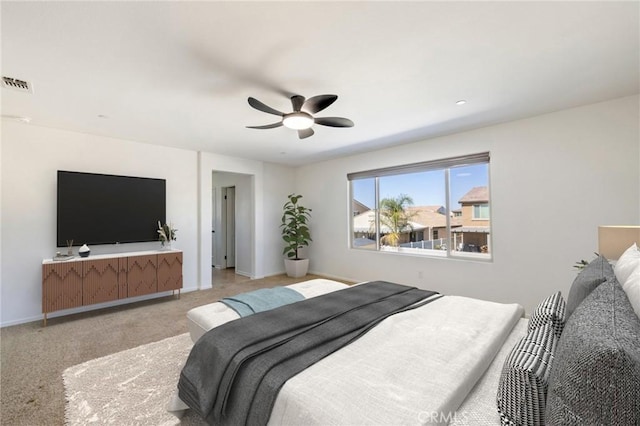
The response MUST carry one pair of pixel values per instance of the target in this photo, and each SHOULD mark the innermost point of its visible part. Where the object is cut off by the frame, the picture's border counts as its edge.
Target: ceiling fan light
(298, 121)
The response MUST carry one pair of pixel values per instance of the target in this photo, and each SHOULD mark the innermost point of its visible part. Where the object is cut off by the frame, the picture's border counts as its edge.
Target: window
(433, 208)
(481, 211)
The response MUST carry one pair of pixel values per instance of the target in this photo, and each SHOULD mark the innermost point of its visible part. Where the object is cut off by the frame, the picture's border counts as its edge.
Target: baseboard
(95, 307)
(244, 274)
(322, 274)
(275, 274)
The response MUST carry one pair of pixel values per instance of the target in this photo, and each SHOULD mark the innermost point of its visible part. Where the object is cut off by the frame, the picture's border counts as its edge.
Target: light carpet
(131, 387)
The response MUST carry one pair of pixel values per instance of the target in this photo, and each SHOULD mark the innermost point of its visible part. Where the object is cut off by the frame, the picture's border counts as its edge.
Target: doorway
(232, 220)
(228, 226)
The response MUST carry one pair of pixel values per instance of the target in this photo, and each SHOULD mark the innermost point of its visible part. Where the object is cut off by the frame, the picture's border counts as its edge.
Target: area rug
(132, 387)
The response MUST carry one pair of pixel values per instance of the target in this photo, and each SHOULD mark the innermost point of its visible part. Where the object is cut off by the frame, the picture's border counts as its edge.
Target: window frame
(445, 164)
(480, 209)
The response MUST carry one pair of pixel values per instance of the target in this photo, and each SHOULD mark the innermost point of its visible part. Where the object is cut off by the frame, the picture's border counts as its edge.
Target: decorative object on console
(70, 247)
(84, 251)
(614, 240)
(295, 232)
(59, 256)
(166, 234)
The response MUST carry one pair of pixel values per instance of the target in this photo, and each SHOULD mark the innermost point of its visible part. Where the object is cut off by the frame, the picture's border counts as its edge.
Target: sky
(426, 188)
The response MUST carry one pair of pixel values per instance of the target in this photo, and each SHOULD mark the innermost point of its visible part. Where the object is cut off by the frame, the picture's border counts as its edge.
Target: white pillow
(629, 260)
(632, 287)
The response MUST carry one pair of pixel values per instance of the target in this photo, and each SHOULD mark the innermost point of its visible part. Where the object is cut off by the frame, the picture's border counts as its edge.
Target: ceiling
(179, 73)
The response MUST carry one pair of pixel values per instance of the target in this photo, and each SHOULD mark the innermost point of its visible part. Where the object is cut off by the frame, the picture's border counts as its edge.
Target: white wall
(554, 179)
(31, 155)
(278, 183)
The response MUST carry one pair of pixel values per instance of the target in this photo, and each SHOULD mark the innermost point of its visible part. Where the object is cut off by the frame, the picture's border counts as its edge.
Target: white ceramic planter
(296, 268)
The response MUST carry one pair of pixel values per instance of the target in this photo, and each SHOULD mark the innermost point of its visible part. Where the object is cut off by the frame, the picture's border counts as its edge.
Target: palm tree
(394, 215)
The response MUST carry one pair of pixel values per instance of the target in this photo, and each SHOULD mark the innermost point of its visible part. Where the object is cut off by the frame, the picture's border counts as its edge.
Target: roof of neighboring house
(431, 216)
(359, 207)
(364, 223)
(480, 229)
(478, 194)
(423, 217)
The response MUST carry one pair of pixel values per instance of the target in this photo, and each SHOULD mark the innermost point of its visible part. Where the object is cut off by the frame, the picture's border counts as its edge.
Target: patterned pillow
(550, 310)
(522, 390)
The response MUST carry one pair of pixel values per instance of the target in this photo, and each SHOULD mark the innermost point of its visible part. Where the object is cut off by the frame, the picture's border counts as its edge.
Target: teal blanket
(246, 304)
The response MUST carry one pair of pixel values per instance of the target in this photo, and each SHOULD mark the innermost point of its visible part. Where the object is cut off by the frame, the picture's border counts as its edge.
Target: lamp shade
(614, 240)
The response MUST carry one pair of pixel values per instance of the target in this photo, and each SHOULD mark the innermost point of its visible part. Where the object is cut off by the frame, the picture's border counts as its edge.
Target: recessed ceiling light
(461, 102)
(102, 116)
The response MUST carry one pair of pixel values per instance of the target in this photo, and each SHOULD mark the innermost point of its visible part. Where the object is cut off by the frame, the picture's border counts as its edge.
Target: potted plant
(295, 233)
(166, 234)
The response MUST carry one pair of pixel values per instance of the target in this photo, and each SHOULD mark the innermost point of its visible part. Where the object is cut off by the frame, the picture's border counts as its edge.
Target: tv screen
(108, 209)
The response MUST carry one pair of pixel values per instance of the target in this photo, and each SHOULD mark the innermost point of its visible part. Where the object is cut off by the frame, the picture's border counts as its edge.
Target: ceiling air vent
(16, 84)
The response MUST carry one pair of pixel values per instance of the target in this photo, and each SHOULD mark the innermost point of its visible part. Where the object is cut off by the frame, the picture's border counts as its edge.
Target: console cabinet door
(100, 281)
(122, 277)
(169, 271)
(61, 286)
(142, 275)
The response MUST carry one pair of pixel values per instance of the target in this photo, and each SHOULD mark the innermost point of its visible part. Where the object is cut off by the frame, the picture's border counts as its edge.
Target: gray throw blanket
(235, 371)
(264, 299)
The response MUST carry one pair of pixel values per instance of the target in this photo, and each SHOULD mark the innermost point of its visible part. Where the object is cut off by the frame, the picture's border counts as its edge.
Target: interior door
(213, 227)
(230, 197)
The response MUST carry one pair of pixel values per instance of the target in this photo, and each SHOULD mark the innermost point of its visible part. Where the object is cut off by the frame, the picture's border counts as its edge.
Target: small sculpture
(84, 251)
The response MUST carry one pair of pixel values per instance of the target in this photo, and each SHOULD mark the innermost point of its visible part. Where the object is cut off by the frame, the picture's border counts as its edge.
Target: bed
(464, 361)
(470, 333)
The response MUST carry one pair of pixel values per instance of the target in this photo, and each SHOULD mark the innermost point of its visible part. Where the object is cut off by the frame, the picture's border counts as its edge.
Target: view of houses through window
(438, 211)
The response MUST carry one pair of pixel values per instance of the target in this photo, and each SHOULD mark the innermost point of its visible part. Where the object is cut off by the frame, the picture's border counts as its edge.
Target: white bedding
(479, 407)
(204, 318)
(430, 360)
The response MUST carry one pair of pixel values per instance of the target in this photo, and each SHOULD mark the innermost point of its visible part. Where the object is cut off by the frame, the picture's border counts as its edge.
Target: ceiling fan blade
(318, 103)
(297, 101)
(333, 121)
(264, 108)
(305, 133)
(266, 126)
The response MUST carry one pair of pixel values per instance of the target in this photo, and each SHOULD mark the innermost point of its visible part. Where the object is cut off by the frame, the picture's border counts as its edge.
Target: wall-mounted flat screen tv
(107, 209)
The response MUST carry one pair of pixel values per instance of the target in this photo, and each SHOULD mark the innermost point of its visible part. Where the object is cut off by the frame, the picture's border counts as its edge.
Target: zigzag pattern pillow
(522, 390)
(550, 310)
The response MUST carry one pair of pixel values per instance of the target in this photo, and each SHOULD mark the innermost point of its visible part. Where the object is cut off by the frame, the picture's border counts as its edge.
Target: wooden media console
(103, 278)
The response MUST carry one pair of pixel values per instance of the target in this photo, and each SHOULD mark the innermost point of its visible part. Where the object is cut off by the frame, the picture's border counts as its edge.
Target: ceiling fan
(302, 120)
